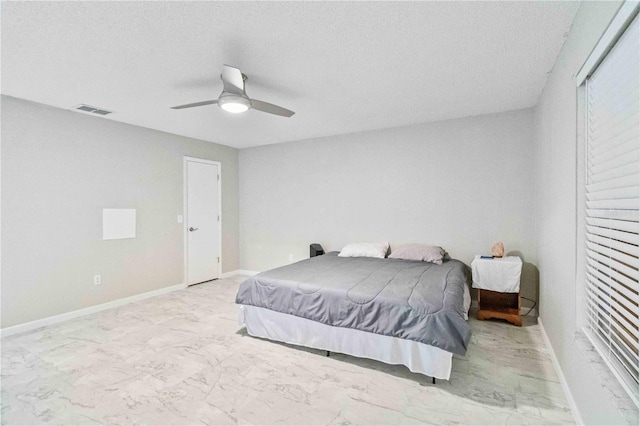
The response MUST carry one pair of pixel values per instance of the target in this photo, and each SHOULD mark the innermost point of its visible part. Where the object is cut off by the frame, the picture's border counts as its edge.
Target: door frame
(185, 214)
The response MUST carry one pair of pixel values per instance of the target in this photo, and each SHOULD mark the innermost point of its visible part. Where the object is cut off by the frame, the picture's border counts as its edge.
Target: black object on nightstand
(315, 250)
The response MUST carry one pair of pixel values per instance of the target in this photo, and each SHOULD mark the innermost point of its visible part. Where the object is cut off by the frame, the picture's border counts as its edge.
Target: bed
(392, 310)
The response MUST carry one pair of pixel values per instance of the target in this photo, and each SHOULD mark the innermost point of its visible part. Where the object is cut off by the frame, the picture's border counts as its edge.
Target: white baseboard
(565, 386)
(28, 326)
(238, 272)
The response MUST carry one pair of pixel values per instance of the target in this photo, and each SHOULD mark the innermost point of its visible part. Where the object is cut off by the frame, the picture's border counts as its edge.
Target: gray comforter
(407, 299)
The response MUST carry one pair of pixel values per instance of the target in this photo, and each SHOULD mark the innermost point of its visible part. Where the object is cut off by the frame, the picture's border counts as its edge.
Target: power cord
(530, 300)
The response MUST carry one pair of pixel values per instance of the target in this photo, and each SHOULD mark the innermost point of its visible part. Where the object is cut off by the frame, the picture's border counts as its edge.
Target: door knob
(192, 229)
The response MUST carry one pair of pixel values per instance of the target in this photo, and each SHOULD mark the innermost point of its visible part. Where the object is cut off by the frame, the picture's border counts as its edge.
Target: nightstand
(498, 284)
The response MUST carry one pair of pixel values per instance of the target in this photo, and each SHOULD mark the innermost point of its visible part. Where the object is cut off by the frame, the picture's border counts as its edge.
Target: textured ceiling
(342, 67)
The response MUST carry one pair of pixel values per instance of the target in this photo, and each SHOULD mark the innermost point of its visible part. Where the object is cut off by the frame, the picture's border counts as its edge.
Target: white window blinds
(613, 202)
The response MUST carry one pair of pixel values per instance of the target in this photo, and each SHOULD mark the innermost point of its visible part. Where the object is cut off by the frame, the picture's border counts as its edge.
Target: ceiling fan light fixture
(234, 99)
(234, 104)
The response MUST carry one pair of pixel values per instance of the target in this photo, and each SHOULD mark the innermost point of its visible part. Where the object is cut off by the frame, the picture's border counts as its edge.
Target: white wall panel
(463, 184)
(59, 170)
(558, 169)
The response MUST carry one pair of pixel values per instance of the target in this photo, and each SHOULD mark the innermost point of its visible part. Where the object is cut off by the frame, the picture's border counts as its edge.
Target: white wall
(463, 184)
(556, 174)
(59, 170)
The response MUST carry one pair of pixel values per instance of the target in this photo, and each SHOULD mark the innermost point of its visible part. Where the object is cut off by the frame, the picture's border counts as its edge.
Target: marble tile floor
(180, 358)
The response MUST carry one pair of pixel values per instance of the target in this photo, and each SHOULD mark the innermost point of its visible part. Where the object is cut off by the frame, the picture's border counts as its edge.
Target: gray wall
(557, 157)
(59, 170)
(463, 184)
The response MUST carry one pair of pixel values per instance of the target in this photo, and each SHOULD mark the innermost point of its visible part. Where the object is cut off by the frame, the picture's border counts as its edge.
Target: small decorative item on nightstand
(498, 284)
(497, 250)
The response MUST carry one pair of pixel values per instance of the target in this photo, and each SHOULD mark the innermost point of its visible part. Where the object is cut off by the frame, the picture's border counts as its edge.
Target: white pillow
(433, 254)
(365, 250)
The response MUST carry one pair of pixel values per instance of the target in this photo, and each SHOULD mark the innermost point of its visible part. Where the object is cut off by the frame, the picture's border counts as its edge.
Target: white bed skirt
(418, 357)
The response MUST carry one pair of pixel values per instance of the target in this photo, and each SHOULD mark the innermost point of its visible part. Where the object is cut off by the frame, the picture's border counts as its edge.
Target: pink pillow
(433, 254)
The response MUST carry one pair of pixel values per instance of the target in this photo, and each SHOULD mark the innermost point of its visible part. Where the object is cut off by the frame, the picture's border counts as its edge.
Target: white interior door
(202, 220)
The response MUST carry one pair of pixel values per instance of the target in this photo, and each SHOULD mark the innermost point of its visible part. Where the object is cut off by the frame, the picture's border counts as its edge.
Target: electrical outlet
(97, 280)
(290, 257)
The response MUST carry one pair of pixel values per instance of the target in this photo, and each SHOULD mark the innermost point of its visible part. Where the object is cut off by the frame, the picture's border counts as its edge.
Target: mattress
(406, 299)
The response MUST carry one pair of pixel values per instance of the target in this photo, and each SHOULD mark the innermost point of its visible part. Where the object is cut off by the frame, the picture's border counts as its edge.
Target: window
(612, 292)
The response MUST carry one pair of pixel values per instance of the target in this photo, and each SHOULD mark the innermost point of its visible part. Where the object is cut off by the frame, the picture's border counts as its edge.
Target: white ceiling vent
(91, 110)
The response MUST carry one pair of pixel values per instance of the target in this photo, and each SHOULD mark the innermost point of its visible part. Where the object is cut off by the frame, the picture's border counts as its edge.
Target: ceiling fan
(234, 98)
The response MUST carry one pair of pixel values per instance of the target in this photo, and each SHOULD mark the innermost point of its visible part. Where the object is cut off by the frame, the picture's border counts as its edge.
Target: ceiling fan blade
(270, 108)
(232, 80)
(196, 104)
